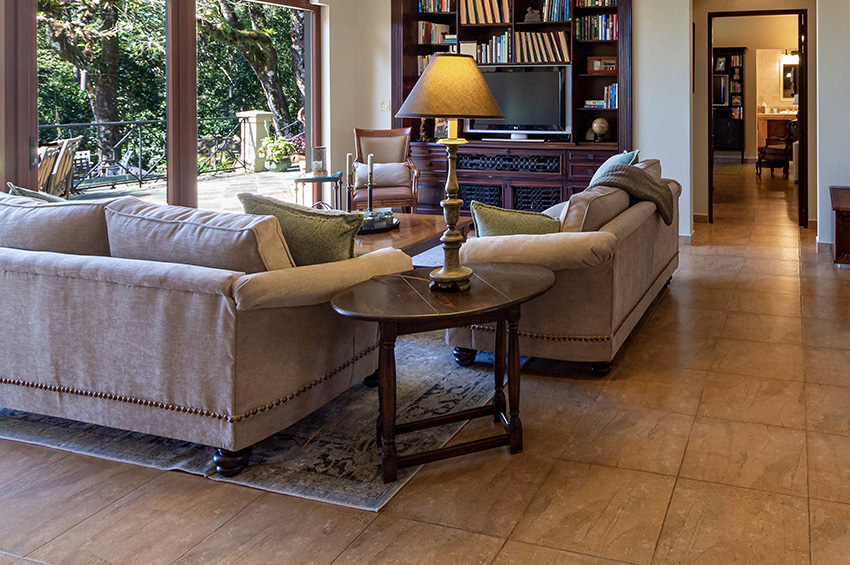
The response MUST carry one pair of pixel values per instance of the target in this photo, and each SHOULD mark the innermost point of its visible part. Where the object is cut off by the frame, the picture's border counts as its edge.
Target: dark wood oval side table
(403, 304)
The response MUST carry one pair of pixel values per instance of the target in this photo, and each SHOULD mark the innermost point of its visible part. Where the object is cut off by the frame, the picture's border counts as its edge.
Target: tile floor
(721, 437)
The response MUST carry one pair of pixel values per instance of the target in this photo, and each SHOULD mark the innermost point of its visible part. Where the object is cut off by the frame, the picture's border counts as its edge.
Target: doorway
(733, 109)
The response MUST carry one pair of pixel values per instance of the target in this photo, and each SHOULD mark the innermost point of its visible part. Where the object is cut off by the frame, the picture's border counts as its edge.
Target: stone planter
(278, 166)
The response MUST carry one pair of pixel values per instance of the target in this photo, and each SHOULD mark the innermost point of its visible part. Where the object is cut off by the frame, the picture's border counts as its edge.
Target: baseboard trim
(825, 248)
(685, 240)
(700, 218)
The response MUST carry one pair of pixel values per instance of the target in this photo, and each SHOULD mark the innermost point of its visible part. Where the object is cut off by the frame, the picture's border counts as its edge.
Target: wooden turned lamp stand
(403, 304)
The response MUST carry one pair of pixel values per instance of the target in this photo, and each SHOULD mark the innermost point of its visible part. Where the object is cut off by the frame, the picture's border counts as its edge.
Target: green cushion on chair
(313, 236)
(18, 191)
(492, 220)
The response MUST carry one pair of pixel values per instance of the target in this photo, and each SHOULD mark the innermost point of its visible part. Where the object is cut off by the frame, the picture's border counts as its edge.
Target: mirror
(789, 80)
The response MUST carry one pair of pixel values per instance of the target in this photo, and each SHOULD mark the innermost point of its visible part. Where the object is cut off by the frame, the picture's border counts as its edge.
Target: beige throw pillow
(383, 174)
(174, 234)
(591, 209)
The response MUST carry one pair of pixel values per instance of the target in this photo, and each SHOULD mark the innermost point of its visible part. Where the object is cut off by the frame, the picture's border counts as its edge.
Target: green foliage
(275, 148)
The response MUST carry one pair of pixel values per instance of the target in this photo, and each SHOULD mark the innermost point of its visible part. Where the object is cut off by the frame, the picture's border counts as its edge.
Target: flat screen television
(534, 100)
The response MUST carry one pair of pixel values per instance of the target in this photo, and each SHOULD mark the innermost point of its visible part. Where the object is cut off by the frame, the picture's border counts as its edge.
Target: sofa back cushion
(593, 208)
(236, 242)
(651, 166)
(78, 228)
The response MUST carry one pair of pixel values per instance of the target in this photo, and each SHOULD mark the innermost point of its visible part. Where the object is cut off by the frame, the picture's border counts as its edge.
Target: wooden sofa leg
(371, 380)
(231, 463)
(600, 369)
(463, 356)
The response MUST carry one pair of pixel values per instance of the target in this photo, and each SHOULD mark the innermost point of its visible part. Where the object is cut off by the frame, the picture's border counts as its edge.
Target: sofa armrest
(562, 250)
(314, 284)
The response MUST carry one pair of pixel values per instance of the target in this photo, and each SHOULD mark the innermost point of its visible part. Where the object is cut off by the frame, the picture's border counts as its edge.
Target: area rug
(340, 465)
(728, 169)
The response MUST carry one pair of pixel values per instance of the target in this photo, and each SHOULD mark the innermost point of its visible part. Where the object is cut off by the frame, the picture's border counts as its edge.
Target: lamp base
(456, 280)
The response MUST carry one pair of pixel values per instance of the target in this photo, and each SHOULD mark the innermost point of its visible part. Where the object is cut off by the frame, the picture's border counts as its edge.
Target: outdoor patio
(215, 192)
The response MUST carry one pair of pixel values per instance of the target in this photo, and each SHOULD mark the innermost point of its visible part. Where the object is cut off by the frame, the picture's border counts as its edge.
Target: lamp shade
(451, 87)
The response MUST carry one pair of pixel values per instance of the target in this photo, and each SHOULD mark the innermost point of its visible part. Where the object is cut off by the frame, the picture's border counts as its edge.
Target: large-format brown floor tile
(759, 359)
(828, 408)
(763, 327)
(826, 333)
(829, 467)
(768, 283)
(666, 350)
(827, 366)
(747, 455)
(516, 553)
(830, 527)
(710, 524)
(825, 286)
(400, 541)
(670, 389)
(21, 459)
(828, 307)
(788, 242)
(630, 438)
(559, 379)
(692, 296)
(157, 523)
(750, 399)
(670, 317)
(771, 252)
(776, 304)
(60, 496)
(599, 511)
(281, 529)
(485, 492)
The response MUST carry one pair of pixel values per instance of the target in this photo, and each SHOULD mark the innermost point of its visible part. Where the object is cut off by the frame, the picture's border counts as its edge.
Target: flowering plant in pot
(277, 152)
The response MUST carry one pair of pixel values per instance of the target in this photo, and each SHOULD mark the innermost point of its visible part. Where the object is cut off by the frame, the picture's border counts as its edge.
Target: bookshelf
(728, 99)
(591, 37)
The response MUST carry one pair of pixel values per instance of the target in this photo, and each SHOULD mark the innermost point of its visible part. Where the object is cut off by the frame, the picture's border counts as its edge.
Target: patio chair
(63, 172)
(388, 146)
(47, 155)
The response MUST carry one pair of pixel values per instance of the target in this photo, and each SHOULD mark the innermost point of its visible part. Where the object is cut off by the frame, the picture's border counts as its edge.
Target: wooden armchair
(386, 146)
(778, 151)
(47, 155)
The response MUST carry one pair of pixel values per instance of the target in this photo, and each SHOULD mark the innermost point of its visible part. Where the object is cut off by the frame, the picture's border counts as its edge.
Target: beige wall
(756, 33)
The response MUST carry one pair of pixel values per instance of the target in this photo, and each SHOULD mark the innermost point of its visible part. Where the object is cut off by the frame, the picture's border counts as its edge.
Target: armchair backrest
(387, 145)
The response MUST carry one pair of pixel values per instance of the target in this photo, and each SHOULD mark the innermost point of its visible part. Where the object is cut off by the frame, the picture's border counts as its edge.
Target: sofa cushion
(591, 209)
(78, 228)
(492, 220)
(383, 174)
(625, 158)
(313, 236)
(43, 196)
(651, 166)
(236, 242)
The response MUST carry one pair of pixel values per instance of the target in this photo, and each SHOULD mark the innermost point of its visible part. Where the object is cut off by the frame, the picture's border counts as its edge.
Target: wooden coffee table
(416, 233)
(403, 304)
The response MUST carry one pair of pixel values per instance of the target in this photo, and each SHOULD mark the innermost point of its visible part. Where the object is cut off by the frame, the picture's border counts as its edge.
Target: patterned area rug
(340, 465)
(728, 169)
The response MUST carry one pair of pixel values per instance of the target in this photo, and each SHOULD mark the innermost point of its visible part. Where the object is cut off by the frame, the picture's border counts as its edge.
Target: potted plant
(277, 152)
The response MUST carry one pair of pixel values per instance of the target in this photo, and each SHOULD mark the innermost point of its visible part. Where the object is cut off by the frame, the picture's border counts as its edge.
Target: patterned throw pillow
(18, 191)
(629, 158)
(313, 236)
(492, 220)
(383, 174)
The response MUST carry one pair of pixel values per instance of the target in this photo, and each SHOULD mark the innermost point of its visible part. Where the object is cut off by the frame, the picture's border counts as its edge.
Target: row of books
(430, 33)
(556, 10)
(542, 47)
(431, 6)
(736, 61)
(598, 27)
(485, 11)
(737, 113)
(497, 50)
(595, 3)
(608, 100)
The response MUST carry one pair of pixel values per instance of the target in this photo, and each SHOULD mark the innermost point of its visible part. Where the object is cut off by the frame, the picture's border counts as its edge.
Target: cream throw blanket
(641, 185)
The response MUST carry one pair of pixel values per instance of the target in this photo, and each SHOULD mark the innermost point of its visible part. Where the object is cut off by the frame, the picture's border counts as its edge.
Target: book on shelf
(595, 3)
(736, 61)
(600, 27)
(431, 33)
(436, 6)
(497, 50)
(484, 12)
(608, 101)
(556, 10)
(541, 47)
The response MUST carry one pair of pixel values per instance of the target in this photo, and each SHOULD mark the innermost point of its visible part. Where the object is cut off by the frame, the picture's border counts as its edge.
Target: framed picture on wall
(720, 65)
(720, 92)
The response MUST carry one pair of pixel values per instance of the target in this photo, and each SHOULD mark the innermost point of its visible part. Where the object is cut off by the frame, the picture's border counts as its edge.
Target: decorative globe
(600, 126)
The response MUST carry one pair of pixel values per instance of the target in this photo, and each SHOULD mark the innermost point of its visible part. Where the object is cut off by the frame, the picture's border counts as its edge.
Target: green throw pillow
(625, 158)
(18, 191)
(313, 236)
(492, 220)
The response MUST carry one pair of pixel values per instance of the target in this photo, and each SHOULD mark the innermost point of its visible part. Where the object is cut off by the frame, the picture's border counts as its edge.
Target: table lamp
(451, 87)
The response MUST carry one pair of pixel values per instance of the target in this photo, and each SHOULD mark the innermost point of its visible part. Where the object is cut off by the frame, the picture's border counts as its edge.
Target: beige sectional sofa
(106, 320)
(611, 260)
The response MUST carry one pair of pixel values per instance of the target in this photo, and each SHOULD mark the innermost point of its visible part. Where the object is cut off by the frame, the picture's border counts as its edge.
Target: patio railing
(139, 155)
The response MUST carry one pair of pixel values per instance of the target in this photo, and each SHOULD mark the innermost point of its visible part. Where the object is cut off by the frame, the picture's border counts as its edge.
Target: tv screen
(533, 100)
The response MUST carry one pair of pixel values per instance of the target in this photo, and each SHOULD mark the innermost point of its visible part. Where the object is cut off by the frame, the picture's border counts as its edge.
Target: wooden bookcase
(728, 99)
(512, 174)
